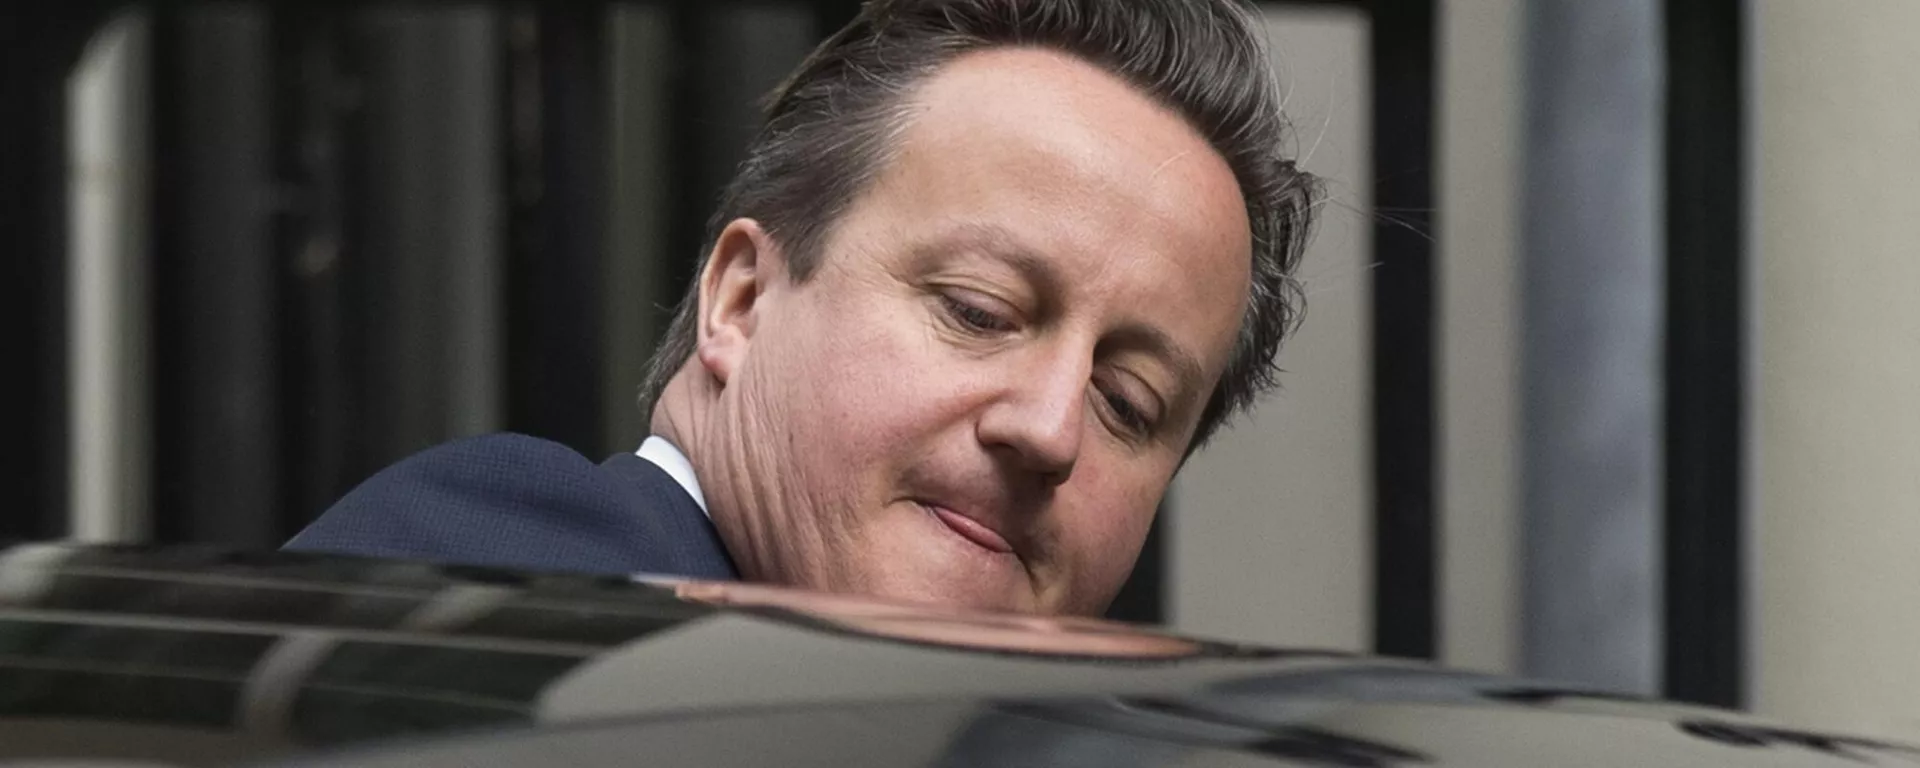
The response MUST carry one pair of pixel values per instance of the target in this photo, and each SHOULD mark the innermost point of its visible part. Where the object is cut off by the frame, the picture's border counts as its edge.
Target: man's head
(991, 271)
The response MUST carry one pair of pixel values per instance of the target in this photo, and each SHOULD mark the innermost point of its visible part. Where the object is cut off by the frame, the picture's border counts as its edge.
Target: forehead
(1079, 166)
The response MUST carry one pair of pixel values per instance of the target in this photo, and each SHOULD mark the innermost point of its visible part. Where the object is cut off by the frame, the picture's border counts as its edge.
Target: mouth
(968, 528)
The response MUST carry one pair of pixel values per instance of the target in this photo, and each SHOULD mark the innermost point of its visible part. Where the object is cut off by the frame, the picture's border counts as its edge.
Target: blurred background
(1611, 371)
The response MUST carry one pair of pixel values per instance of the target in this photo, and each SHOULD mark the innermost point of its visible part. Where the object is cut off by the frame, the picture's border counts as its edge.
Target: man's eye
(974, 318)
(1131, 417)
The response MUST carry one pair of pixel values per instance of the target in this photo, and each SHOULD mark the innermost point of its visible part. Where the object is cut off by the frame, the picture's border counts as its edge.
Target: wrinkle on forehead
(1169, 161)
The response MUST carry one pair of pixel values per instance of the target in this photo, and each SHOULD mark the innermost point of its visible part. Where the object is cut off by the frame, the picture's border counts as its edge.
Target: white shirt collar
(669, 459)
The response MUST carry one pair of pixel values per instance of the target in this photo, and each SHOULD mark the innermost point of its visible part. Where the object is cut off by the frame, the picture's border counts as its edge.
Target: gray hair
(830, 129)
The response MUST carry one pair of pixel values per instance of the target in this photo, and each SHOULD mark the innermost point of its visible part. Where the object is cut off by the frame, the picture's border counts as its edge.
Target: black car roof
(200, 655)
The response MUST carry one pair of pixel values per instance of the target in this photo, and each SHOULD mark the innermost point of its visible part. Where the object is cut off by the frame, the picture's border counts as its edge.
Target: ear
(733, 295)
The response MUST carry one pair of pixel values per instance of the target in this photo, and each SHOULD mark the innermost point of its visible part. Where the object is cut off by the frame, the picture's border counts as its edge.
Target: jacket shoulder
(499, 500)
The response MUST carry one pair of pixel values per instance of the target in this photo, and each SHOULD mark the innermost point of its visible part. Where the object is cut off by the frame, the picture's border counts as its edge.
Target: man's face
(981, 393)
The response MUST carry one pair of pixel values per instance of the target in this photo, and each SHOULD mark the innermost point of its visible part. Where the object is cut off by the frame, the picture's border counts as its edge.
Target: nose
(1039, 417)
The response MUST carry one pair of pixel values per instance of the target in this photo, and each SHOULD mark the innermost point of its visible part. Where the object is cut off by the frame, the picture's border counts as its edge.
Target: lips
(969, 529)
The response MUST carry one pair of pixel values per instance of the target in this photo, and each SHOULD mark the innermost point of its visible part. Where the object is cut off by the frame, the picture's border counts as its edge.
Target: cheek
(1105, 520)
(862, 379)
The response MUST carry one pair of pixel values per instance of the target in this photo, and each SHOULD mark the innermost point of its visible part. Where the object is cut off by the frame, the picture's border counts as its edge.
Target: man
(990, 273)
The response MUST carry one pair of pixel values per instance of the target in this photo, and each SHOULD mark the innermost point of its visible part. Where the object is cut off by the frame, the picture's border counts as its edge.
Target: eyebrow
(1002, 244)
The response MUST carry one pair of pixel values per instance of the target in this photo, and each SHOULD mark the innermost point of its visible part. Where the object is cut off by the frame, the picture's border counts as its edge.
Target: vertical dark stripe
(39, 44)
(556, 105)
(319, 412)
(217, 306)
(1704, 361)
(1403, 330)
(729, 57)
(426, 265)
(692, 193)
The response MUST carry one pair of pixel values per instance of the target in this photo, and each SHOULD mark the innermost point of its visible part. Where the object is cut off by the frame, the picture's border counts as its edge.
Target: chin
(908, 556)
(955, 594)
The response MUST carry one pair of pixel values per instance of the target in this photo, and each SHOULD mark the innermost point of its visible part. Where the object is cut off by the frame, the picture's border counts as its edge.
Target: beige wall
(1480, 150)
(1836, 363)
(1270, 533)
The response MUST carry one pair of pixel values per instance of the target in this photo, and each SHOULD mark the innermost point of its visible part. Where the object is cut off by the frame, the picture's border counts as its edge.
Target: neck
(682, 416)
(681, 411)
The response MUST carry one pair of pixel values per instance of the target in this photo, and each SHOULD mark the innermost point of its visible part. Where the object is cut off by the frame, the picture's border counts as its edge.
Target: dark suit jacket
(521, 502)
